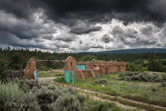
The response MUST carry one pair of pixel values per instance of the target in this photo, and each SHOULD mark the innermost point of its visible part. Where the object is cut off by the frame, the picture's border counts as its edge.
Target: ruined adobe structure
(30, 68)
(93, 68)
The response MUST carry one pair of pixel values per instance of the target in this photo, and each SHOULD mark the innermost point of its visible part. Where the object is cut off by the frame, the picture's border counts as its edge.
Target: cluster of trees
(133, 67)
(155, 65)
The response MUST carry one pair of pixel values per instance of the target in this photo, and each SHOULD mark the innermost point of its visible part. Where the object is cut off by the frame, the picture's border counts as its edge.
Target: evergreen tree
(3, 70)
(156, 66)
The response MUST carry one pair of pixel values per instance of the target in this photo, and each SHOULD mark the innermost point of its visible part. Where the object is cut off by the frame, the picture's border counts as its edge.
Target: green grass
(104, 106)
(126, 102)
(147, 92)
(50, 73)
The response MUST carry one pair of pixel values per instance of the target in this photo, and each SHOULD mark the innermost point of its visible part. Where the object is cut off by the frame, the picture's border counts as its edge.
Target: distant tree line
(12, 59)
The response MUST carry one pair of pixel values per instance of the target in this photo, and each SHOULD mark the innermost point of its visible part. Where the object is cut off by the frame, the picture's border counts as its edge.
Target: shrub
(69, 102)
(45, 93)
(31, 102)
(12, 98)
(101, 106)
(46, 96)
(153, 89)
(31, 95)
(81, 98)
(100, 81)
(138, 76)
(164, 77)
(163, 84)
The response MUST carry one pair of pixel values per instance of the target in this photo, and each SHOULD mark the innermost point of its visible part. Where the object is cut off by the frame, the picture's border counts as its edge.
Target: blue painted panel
(67, 76)
(80, 67)
(35, 74)
(83, 67)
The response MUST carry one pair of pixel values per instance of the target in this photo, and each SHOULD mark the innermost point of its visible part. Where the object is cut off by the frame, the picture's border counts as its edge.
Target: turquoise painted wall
(67, 76)
(35, 74)
(80, 67)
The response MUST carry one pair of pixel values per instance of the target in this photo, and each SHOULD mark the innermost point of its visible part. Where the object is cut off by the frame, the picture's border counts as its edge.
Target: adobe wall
(88, 73)
(70, 65)
(30, 68)
(93, 69)
(105, 67)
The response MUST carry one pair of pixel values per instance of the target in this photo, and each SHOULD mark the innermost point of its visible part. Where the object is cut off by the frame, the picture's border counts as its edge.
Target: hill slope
(137, 51)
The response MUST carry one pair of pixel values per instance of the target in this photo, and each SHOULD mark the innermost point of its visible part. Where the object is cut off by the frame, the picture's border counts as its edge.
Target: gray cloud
(147, 35)
(106, 38)
(148, 30)
(128, 10)
(12, 40)
(98, 46)
(84, 28)
(25, 29)
(80, 42)
(66, 38)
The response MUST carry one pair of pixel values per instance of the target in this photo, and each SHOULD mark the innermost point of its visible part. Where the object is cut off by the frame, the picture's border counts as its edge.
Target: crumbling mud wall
(93, 69)
(30, 68)
(106, 67)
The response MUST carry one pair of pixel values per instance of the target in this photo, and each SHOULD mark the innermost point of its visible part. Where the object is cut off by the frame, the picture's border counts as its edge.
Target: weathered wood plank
(50, 60)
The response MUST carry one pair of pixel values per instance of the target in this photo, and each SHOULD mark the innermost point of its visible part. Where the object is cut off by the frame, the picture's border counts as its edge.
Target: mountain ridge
(133, 51)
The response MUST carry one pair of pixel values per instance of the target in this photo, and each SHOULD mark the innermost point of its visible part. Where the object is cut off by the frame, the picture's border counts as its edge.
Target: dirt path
(46, 79)
(104, 95)
(117, 103)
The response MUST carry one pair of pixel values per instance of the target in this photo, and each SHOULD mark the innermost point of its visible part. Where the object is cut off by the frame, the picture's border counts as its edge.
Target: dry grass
(50, 73)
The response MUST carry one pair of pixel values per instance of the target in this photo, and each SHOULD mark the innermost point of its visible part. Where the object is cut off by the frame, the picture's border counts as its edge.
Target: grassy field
(51, 73)
(100, 105)
(147, 92)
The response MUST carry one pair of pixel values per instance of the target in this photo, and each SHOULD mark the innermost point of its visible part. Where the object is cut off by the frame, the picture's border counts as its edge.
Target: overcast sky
(82, 25)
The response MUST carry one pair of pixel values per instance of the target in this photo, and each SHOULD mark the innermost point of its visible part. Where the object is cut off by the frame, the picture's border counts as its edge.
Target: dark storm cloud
(25, 29)
(140, 10)
(106, 38)
(20, 8)
(93, 7)
(41, 23)
(98, 46)
(66, 38)
(48, 37)
(10, 39)
(84, 29)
